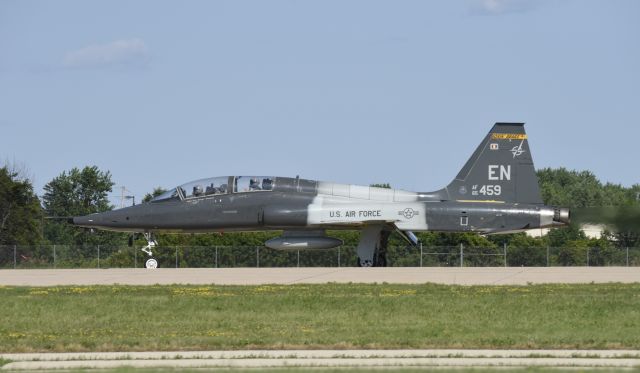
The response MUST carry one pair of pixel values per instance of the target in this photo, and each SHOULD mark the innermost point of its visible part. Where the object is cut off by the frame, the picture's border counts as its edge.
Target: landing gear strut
(380, 256)
(151, 263)
(372, 248)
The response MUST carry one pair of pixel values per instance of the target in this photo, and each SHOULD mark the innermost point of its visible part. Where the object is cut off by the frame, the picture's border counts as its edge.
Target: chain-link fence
(64, 256)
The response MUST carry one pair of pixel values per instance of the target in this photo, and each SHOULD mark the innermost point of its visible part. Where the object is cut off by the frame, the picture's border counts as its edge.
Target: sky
(160, 93)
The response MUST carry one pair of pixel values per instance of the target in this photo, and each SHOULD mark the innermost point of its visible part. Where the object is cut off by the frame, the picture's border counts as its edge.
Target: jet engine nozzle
(562, 215)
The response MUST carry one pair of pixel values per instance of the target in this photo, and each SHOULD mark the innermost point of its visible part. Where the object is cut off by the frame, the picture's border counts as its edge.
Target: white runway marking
(285, 276)
(326, 358)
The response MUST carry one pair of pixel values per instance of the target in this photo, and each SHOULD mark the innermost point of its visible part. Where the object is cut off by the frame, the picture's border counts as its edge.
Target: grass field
(129, 318)
(357, 370)
(361, 370)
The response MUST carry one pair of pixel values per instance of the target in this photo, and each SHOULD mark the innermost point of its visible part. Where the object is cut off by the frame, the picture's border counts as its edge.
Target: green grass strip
(139, 318)
(369, 370)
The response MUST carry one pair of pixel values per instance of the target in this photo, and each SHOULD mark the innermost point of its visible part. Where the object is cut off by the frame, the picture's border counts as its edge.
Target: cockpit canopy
(218, 186)
(253, 183)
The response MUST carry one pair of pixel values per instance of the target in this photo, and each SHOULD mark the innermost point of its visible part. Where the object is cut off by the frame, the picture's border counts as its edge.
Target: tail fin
(501, 169)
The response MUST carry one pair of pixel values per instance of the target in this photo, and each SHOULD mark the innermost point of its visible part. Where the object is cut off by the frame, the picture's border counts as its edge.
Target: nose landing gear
(151, 263)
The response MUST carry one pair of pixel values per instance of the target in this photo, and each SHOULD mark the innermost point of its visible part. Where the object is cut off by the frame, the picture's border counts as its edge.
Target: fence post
(98, 256)
(298, 265)
(54, 256)
(216, 256)
(504, 246)
(420, 254)
(547, 256)
(257, 257)
(461, 255)
(15, 248)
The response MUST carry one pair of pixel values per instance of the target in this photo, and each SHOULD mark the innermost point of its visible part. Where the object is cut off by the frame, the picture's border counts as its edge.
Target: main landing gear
(372, 248)
(151, 263)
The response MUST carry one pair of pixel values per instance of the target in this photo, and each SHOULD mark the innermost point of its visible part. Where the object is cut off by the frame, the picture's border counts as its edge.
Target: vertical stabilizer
(501, 169)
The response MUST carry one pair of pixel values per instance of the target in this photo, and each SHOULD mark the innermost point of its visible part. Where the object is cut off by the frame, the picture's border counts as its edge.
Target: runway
(286, 276)
(326, 358)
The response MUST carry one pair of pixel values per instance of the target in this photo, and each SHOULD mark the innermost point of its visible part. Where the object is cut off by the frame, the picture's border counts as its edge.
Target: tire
(151, 263)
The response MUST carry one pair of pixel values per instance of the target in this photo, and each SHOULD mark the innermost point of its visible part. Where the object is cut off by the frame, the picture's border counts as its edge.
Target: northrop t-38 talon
(495, 192)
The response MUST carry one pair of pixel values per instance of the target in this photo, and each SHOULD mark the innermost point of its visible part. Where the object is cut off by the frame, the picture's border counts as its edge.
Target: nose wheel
(151, 263)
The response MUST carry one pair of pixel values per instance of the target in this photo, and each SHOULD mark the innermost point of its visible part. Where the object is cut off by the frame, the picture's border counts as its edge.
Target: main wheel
(151, 264)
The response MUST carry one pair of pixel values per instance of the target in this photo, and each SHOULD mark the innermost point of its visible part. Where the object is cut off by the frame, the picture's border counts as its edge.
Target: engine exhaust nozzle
(562, 215)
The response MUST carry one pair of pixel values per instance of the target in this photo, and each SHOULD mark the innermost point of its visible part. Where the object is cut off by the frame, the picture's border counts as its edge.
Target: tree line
(29, 220)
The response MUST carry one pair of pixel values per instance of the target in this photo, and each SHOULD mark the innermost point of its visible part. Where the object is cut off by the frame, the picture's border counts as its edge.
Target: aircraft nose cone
(115, 219)
(87, 220)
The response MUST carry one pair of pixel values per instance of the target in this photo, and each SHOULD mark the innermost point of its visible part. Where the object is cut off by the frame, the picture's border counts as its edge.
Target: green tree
(76, 193)
(603, 252)
(573, 253)
(561, 187)
(523, 250)
(156, 192)
(559, 237)
(20, 212)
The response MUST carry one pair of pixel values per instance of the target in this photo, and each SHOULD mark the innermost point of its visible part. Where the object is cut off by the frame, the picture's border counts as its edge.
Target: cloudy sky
(160, 93)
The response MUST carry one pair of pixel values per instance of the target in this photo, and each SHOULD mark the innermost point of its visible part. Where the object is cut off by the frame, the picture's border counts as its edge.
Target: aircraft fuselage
(306, 204)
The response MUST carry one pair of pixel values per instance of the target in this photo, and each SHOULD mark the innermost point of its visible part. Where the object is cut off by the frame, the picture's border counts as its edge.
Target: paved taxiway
(259, 276)
(327, 358)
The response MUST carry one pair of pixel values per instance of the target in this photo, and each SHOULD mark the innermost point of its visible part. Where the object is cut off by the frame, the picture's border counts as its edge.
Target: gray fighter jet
(495, 192)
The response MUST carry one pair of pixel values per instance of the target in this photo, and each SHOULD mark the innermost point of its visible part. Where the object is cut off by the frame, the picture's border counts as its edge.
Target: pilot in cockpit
(211, 189)
(254, 184)
(197, 190)
(267, 184)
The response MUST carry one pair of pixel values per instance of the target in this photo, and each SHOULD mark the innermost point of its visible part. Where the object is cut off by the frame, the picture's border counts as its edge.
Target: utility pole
(122, 191)
(124, 196)
(504, 248)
